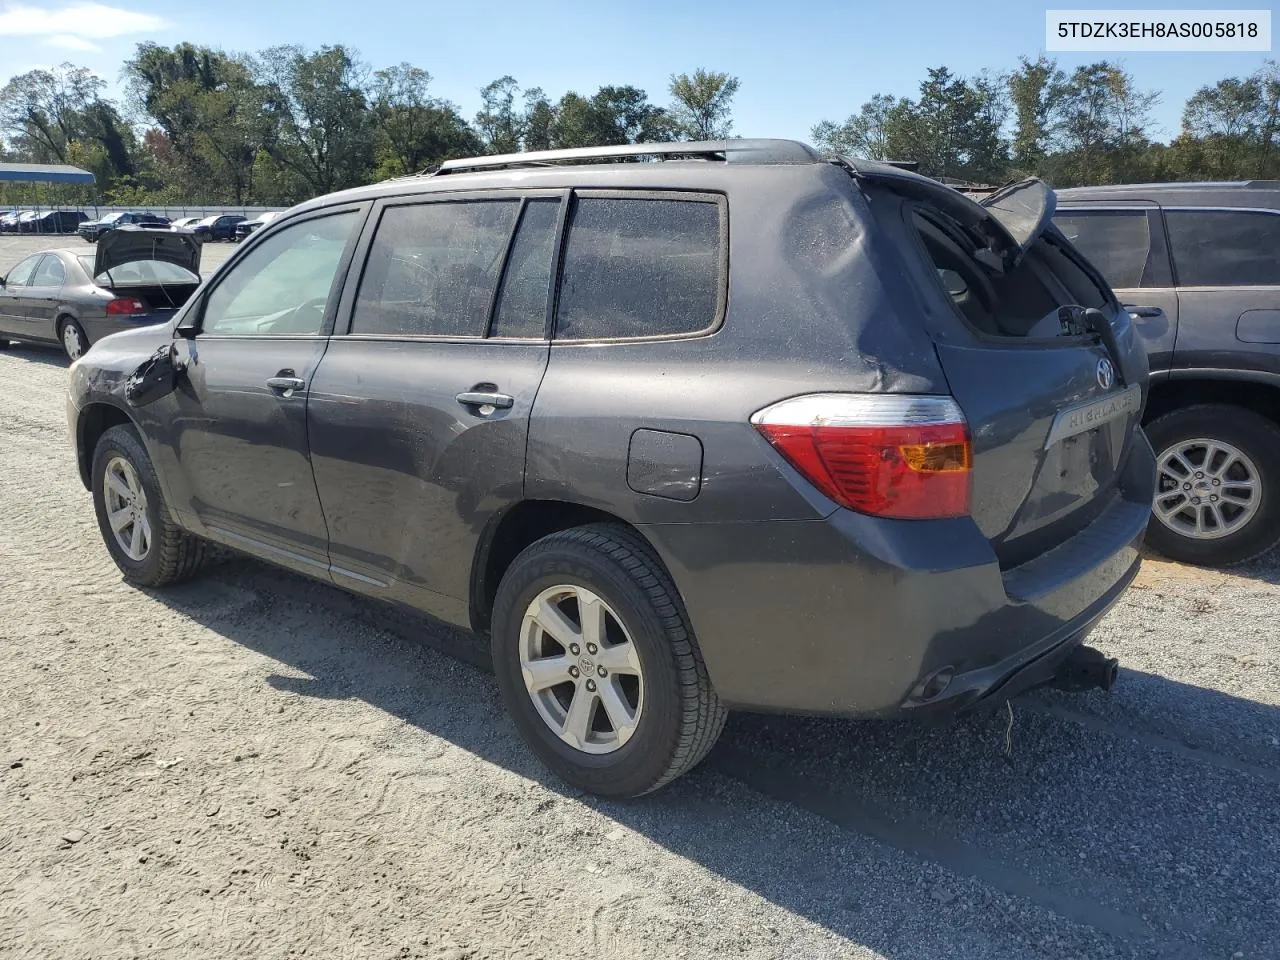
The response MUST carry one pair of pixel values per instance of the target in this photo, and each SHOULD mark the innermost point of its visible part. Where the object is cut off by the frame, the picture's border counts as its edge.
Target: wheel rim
(1206, 489)
(581, 669)
(72, 342)
(126, 503)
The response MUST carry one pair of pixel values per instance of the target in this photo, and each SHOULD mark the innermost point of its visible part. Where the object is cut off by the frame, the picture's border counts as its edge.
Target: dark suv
(1198, 265)
(740, 428)
(91, 230)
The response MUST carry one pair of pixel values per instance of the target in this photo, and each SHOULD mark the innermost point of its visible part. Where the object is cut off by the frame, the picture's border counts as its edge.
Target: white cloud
(76, 26)
(68, 41)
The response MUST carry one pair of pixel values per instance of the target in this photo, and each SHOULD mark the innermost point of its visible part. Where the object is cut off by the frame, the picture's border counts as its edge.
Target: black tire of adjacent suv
(173, 554)
(1257, 438)
(681, 716)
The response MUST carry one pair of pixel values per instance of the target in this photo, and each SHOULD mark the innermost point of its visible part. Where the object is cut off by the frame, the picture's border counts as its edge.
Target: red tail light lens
(125, 306)
(888, 455)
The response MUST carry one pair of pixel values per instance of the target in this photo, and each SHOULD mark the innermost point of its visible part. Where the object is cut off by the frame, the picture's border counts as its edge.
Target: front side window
(282, 285)
(433, 269)
(1225, 248)
(1117, 242)
(640, 268)
(20, 274)
(50, 273)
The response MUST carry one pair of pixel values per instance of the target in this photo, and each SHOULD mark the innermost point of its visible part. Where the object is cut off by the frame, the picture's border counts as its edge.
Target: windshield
(140, 273)
(112, 217)
(210, 220)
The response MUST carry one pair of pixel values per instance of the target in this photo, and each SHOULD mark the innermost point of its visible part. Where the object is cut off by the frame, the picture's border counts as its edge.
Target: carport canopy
(44, 173)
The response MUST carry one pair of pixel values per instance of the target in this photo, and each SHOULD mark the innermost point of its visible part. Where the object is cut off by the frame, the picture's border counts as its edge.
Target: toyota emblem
(1106, 374)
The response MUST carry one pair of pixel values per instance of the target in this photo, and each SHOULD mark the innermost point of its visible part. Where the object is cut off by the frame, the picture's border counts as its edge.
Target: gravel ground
(256, 765)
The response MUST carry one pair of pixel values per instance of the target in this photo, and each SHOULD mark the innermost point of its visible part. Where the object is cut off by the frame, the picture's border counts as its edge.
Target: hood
(1012, 218)
(129, 243)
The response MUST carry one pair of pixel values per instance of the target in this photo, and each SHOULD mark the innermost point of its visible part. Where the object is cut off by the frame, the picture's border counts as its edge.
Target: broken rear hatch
(1052, 397)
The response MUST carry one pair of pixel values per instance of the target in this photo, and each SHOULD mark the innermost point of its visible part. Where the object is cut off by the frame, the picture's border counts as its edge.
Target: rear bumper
(850, 615)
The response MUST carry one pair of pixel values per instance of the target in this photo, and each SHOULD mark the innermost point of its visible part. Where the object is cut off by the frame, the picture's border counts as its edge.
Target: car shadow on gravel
(1133, 824)
(50, 355)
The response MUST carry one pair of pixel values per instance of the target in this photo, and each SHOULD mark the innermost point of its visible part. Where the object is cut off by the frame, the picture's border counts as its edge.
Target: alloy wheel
(1206, 489)
(126, 502)
(581, 669)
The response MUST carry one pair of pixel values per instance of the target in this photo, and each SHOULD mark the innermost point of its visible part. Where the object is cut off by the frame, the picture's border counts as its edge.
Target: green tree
(863, 134)
(414, 129)
(500, 124)
(1035, 89)
(325, 125)
(702, 104)
(43, 111)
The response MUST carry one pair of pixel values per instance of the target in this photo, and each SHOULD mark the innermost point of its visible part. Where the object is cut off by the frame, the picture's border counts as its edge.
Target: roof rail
(728, 151)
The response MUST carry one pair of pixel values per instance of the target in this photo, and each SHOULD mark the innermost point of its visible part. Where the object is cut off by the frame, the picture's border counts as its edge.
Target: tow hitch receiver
(1085, 669)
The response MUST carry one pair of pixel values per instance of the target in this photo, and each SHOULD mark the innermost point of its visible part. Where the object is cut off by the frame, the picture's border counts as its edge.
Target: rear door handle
(1144, 311)
(473, 398)
(286, 385)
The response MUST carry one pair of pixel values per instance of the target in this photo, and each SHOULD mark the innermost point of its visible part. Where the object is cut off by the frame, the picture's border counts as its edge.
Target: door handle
(286, 385)
(1143, 311)
(476, 398)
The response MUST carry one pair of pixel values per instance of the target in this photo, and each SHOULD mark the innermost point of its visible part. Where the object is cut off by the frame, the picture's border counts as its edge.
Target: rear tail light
(125, 306)
(888, 455)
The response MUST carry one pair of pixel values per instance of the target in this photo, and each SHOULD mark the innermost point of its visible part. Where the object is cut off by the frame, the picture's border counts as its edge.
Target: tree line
(200, 125)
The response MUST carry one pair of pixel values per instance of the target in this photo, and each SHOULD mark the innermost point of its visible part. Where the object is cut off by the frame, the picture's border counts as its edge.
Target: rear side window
(1224, 248)
(1117, 242)
(50, 273)
(642, 267)
(433, 269)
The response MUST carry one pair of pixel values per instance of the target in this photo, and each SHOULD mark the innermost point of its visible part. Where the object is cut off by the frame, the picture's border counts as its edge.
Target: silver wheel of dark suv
(598, 665)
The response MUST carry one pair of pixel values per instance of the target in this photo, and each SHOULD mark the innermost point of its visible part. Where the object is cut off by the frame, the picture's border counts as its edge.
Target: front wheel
(1218, 484)
(598, 665)
(150, 549)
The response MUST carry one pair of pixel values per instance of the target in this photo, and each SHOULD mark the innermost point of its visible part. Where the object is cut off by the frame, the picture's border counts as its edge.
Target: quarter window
(640, 268)
(1118, 242)
(433, 269)
(282, 285)
(1225, 248)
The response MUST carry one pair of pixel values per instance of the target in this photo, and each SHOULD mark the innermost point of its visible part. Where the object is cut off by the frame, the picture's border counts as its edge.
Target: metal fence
(172, 212)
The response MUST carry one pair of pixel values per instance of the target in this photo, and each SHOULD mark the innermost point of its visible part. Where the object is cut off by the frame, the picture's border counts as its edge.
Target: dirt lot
(258, 766)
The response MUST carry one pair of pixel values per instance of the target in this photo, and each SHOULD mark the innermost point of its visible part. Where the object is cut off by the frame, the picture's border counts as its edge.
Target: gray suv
(735, 427)
(1198, 265)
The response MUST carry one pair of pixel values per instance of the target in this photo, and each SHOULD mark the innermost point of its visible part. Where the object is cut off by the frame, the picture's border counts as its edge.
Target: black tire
(173, 554)
(1258, 439)
(681, 717)
(69, 324)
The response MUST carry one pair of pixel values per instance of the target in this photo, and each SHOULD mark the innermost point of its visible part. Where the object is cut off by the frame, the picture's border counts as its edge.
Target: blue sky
(799, 61)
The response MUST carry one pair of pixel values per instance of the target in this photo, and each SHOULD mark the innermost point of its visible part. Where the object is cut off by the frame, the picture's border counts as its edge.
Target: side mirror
(2, 281)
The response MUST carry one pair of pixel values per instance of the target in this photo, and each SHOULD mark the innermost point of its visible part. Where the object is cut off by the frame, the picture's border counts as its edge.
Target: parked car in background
(1198, 266)
(9, 220)
(741, 428)
(218, 227)
(91, 230)
(136, 277)
(25, 221)
(246, 227)
(187, 222)
(53, 221)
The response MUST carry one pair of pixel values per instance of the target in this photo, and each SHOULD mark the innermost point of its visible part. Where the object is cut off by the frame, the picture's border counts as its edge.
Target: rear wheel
(598, 665)
(150, 549)
(1217, 486)
(74, 342)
